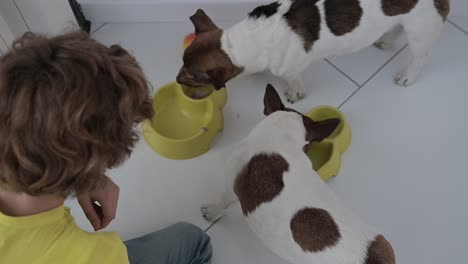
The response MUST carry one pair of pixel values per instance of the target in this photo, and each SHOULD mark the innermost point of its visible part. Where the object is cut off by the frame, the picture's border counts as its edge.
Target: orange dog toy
(189, 39)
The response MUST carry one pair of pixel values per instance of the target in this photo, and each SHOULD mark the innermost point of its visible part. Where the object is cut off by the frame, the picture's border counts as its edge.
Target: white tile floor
(404, 173)
(461, 22)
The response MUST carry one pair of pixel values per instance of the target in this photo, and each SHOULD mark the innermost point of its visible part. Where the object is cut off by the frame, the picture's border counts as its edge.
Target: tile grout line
(385, 64)
(101, 26)
(457, 26)
(342, 72)
(3, 40)
(21, 14)
(372, 76)
(152, 87)
(214, 223)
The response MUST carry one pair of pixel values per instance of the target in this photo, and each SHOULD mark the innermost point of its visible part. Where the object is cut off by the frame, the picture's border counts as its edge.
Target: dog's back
(290, 208)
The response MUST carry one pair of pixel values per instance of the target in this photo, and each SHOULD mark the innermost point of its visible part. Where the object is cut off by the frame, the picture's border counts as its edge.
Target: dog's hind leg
(387, 40)
(422, 32)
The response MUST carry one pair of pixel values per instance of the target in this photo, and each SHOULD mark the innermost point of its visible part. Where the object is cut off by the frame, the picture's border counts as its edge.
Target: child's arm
(107, 195)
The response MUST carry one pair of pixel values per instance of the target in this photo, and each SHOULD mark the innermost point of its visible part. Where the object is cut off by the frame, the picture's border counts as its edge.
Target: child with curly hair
(68, 110)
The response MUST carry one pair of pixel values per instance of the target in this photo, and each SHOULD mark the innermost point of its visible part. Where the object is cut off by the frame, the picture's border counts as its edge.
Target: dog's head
(313, 131)
(205, 62)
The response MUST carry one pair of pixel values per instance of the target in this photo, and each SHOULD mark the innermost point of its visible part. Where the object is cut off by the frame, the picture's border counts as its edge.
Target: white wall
(47, 16)
(164, 10)
(171, 1)
(458, 4)
(180, 10)
(460, 7)
(6, 36)
(41, 16)
(12, 17)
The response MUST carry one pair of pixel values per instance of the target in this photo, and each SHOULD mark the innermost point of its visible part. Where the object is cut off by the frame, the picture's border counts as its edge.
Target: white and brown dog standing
(284, 37)
(285, 202)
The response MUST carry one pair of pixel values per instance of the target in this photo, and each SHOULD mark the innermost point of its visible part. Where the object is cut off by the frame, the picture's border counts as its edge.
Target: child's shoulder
(110, 239)
(100, 247)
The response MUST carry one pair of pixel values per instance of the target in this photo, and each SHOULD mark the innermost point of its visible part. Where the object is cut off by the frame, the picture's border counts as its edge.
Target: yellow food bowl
(186, 120)
(326, 155)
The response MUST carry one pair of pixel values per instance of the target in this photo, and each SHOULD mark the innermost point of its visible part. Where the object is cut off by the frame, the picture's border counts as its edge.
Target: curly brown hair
(68, 110)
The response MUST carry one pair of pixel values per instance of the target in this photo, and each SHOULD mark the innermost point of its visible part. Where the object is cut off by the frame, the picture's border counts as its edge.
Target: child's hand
(100, 215)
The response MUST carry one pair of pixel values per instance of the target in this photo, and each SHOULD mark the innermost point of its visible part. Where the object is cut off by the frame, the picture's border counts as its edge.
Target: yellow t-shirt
(53, 237)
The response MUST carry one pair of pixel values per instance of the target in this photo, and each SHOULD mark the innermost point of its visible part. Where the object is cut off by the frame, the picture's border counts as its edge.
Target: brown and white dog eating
(285, 202)
(284, 37)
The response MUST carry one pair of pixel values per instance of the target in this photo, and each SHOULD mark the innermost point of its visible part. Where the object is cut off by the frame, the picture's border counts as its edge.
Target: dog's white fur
(269, 44)
(284, 133)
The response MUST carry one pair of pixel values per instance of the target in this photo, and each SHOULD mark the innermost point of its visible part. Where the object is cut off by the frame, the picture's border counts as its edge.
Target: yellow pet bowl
(186, 120)
(326, 155)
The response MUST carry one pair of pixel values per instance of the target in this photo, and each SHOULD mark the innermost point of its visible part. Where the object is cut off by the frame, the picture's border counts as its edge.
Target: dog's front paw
(210, 212)
(293, 96)
(407, 77)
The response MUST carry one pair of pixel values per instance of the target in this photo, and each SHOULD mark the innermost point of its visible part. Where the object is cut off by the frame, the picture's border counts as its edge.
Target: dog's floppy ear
(217, 78)
(272, 101)
(202, 22)
(318, 131)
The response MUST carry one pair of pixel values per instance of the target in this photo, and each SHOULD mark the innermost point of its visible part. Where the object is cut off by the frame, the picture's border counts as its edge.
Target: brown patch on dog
(315, 131)
(319, 130)
(380, 252)
(206, 63)
(260, 181)
(272, 101)
(304, 18)
(265, 10)
(443, 7)
(314, 229)
(342, 16)
(202, 22)
(398, 7)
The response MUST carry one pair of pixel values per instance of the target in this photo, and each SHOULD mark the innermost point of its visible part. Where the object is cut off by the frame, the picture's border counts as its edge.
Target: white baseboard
(131, 11)
(127, 12)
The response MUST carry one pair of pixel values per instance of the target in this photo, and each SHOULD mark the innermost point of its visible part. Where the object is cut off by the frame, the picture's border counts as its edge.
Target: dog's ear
(217, 78)
(318, 131)
(272, 101)
(202, 22)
